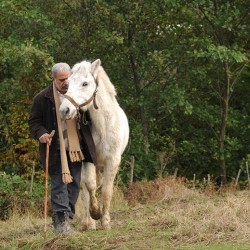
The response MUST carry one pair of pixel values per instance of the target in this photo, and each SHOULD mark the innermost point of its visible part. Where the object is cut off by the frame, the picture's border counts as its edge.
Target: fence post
(248, 179)
(132, 165)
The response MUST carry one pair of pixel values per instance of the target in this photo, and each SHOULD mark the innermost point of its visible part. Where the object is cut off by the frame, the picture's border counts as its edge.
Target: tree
(222, 45)
(24, 69)
(179, 67)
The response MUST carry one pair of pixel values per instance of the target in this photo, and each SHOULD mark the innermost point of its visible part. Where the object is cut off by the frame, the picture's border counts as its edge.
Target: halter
(92, 98)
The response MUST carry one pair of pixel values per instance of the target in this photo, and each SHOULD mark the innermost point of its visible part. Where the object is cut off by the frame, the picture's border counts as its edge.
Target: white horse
(89, 85)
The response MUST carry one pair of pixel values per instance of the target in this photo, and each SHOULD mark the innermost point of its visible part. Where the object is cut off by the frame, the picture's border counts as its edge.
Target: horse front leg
(87, 222)
(107, 192)
(83, 202)
(90, 182)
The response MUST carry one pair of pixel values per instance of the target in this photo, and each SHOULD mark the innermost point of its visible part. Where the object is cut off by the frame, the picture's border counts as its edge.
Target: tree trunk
(225, 102)
(224, 118)
(138, 89)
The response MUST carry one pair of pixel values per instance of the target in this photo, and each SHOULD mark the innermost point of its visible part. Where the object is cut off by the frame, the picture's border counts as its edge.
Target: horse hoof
(95, 214)
(106, 226)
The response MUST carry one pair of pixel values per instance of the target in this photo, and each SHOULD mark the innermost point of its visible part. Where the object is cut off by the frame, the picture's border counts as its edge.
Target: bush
(16, 197)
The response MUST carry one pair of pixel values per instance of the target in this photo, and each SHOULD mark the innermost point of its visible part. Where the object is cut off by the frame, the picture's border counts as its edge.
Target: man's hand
(45, 138)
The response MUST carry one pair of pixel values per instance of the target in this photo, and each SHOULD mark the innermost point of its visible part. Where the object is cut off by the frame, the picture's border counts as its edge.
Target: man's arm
(36, 123)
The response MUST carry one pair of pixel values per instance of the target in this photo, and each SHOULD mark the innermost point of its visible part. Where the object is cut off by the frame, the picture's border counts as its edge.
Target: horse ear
(95, 65)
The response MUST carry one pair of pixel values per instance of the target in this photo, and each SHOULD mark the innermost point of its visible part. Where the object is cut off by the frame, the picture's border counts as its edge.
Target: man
(44, 117)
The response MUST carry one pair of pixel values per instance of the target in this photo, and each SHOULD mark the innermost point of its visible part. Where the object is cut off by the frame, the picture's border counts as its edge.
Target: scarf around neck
(75, 152)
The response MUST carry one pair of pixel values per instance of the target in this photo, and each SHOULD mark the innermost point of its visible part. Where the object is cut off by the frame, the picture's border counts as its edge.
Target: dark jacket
(43, 120)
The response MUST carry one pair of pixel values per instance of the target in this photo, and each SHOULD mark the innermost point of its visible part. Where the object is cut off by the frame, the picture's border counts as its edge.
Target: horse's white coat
(110, 132)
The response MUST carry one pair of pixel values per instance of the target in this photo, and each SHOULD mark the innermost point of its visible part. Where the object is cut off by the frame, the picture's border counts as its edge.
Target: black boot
(61, 223)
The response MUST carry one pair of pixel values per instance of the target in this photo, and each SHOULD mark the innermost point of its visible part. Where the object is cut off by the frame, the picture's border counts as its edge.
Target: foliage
(180, 69)
(24, 69)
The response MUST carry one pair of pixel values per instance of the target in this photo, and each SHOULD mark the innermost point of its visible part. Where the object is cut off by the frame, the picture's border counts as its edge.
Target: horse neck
(105, 100)
(107, 106)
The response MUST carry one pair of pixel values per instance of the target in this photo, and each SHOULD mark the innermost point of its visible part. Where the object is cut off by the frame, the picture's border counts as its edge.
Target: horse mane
(100, 75)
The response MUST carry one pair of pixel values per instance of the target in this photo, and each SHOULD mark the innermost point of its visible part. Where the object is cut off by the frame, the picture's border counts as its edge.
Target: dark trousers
(64, 196)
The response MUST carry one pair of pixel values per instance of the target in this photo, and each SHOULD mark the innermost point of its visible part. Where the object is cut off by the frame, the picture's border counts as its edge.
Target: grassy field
(163, 214)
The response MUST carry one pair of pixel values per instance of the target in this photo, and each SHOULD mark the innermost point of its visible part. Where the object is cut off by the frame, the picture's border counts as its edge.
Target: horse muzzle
(64, 112)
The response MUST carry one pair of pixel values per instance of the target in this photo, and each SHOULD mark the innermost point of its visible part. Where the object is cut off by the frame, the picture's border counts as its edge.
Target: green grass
(220, 246)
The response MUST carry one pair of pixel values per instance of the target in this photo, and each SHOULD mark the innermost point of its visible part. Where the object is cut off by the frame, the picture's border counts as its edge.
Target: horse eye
(84, 84)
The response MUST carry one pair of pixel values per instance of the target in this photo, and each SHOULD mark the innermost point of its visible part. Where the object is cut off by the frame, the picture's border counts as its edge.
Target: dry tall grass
(18, 228)
(195, 216)
(162, 212)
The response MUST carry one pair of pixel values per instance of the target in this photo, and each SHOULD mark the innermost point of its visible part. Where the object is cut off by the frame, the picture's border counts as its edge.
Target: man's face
(61, 81)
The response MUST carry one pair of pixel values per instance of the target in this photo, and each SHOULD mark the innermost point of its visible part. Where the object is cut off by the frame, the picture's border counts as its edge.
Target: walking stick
(46, 183)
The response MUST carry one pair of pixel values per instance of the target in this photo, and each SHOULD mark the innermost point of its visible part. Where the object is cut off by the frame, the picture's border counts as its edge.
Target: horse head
(82, 89)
